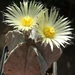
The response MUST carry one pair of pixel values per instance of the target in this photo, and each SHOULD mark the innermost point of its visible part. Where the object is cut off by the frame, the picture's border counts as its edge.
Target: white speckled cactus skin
(26, 58)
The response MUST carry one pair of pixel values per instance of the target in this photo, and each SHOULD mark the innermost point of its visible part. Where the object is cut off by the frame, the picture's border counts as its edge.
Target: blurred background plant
(66, 63)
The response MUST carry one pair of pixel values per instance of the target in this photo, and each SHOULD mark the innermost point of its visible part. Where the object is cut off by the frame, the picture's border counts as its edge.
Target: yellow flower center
(49, 32)
(27, 21)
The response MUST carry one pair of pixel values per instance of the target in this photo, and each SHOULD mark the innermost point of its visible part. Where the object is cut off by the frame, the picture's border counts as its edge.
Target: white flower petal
(16, 15)
(51, 44)
(54, 30)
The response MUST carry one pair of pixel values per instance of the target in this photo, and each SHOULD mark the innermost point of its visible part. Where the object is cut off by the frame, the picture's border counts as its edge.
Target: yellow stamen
(27, 21)
(49, 32)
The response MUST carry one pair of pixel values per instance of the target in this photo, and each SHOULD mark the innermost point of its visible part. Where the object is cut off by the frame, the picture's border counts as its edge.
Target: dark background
(66, 63)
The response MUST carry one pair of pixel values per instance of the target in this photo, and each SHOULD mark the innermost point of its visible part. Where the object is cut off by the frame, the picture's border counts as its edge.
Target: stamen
(49, 32)
(27, 21)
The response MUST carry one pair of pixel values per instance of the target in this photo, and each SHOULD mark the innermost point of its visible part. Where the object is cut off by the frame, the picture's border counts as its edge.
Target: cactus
(25, 58)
